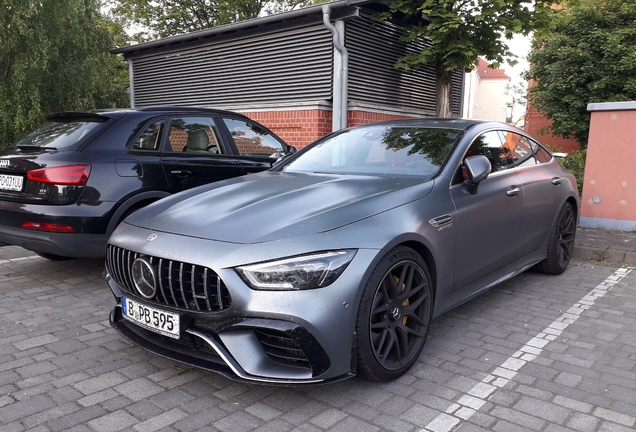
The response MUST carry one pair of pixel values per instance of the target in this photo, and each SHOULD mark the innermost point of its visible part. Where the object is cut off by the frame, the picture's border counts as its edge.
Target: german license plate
(11, 182)
(157, 320)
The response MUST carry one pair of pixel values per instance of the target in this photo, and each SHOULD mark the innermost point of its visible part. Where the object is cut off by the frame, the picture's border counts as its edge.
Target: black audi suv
(65, 186)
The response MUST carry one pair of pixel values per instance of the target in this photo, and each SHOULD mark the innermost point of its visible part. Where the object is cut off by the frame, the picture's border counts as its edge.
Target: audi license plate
(11, 182)
(157, 320)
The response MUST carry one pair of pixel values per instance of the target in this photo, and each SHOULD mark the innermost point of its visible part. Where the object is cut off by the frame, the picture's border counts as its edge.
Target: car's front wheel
(394, 315)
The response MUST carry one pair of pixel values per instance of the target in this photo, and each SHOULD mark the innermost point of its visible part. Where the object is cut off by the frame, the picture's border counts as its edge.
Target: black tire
(394, 315)
(54, 257)
(560, 243)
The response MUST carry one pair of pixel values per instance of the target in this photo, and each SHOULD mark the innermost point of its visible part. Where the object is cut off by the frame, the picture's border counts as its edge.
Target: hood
(273, 205)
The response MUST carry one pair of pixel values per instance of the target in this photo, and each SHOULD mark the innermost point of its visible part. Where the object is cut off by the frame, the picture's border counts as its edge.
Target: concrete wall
(609, 189)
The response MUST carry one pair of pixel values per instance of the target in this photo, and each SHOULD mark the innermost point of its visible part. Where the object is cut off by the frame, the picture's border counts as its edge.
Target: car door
(141, 166)
(258, 148)
(541, 190)
(488, 223)
(194, 153)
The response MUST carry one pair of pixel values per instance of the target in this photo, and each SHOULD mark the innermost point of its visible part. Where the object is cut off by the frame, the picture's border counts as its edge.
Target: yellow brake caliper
(406, 302)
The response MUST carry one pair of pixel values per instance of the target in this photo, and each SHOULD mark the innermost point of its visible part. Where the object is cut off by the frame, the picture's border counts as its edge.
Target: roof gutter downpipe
(131, 88)
(341, 71)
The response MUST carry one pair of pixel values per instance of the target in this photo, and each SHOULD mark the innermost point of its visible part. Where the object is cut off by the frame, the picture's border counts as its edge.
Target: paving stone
(519, 418)
(583, 422)
(568, 379)
(615, 417)
(237, 422)
(572, 404)
(113, 422)
(160, 421)
(24, 408)
(138, 389)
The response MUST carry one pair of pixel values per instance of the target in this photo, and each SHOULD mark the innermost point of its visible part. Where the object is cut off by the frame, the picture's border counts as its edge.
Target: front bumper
(265, 347)
(206, 350)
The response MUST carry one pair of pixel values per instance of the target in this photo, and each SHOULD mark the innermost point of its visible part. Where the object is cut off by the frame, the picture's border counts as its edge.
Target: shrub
(575, 163)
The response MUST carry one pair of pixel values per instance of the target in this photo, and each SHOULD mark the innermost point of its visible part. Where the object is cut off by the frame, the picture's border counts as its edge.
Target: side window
(518, 148)
(194, 134)
(252, 140)
(541, 154)
(490, 145)
(150, 138)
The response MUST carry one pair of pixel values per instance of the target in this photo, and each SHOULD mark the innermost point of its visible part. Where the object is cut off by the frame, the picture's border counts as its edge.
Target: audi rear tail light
(73, 175)
(46, 226)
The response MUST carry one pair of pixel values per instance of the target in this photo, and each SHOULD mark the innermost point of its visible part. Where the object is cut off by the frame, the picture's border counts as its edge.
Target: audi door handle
(181, 173)
(513, 191)
(556, 181)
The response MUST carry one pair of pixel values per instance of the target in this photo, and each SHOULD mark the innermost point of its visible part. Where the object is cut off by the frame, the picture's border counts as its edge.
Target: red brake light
(46, 226)
(74, 175)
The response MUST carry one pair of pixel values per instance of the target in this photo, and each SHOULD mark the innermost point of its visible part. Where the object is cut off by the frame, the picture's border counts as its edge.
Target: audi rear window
(57, 134)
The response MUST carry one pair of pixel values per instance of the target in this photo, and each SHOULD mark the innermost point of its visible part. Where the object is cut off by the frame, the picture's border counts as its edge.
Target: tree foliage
(165, 18)
(461, 31)
(54, 56)
(590, 56)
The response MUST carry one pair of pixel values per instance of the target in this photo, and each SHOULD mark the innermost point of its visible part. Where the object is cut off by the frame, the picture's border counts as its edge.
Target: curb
(602, 254)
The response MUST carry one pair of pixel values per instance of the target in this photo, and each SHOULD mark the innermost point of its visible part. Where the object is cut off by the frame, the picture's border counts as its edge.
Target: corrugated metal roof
(255, 24)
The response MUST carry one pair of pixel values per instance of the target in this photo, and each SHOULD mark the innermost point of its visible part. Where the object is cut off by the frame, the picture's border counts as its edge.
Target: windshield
(379, 150)
(57, 134)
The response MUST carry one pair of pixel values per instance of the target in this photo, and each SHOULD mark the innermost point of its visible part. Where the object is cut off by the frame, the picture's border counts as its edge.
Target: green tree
(54, 56)
(461, 31)
(164, 18)
(590, 56)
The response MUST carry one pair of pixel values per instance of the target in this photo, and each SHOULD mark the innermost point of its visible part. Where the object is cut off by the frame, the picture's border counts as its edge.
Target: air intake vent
(282, 349)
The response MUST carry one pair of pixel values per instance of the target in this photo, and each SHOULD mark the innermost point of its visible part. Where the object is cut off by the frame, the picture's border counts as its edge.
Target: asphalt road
(537, 353)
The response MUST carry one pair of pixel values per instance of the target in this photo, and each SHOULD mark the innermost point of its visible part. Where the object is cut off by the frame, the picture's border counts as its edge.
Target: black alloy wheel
(395, 315)
(560, 243)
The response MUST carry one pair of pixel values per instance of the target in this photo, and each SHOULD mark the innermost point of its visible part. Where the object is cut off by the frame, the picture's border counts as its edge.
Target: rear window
(57, 135)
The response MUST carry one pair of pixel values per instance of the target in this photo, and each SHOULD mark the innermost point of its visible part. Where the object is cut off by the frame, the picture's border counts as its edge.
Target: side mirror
(290, 151)
(560, 155)
(477, 169)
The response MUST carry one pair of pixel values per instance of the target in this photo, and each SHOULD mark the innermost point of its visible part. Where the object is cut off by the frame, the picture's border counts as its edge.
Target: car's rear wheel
(560, 243)
(394, 315)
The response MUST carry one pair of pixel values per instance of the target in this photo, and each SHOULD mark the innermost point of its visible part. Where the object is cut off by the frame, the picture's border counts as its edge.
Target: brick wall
(302, 127)
(357, 117)
(535, 121)
(297, 127)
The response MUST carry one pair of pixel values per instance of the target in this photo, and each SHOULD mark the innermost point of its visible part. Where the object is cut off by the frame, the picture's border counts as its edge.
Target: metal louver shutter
(282, 66)
(456, 96)
(374, 49)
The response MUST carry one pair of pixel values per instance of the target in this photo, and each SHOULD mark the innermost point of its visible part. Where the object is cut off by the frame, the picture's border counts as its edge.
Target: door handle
(181, 173)
(556, 181)
(513, 191)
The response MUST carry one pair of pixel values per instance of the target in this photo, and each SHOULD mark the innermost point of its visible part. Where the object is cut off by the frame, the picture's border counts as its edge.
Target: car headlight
(298, 273)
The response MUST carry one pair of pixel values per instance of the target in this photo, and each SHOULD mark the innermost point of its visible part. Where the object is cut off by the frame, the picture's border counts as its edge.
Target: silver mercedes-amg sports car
(334, 262)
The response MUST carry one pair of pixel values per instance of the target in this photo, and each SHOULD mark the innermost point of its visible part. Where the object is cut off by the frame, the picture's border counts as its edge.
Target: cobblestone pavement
(537, 353)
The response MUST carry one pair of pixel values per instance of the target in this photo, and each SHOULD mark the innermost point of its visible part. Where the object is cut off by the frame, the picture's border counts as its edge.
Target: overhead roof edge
(176, 41)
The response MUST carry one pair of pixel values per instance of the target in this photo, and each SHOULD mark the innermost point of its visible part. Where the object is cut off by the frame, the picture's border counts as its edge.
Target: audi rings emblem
(144, 278)
(151, 237)
(4, 163)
